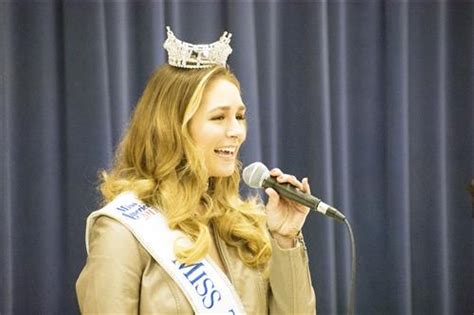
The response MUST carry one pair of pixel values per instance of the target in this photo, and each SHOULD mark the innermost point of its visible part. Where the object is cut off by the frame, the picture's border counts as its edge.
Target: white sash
(206, 287)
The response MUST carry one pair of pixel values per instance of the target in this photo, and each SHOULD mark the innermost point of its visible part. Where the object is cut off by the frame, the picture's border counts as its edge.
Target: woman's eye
(222, 117)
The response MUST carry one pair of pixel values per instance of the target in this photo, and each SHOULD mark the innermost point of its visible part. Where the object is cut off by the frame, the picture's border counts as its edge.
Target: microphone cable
(351, 303)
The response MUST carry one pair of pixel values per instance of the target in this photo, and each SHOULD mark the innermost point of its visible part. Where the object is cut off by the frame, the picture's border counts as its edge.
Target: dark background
(372, 100)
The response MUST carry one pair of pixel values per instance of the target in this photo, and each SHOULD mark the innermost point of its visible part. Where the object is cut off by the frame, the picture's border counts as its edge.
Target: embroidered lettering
(209, 303)
(124, 208)
(202, 283)
(197, 278)
(193, 267)
(205, 286)
(135, 211)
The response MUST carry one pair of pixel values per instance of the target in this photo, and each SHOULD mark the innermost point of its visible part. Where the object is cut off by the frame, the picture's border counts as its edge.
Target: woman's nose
(235, 130)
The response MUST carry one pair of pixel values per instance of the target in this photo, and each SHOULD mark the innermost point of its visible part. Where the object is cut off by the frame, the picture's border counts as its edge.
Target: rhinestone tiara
(185, 55)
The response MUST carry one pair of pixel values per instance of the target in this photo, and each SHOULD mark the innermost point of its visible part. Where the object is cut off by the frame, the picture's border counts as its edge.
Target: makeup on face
(219, 128)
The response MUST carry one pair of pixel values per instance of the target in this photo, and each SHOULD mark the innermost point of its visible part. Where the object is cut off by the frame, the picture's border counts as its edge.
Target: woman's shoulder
(110, 229)
(109, 237)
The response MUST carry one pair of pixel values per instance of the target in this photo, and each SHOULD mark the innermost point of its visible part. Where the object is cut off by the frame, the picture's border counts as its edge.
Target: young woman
(178, 161)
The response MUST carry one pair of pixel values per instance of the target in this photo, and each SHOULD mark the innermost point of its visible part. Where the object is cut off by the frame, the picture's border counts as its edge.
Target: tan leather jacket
(120, 277)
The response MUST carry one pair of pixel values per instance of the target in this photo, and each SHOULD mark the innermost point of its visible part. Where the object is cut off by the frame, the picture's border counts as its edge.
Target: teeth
(226, 150)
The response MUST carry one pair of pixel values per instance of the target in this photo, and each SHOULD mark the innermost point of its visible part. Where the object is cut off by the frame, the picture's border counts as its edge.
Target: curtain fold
(372, 100)
(397, 186)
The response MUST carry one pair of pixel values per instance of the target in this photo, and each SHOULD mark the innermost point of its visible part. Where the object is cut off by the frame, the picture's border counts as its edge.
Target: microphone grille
(254, 174)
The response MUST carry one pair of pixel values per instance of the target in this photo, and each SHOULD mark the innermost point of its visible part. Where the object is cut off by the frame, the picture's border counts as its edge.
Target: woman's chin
(225, 172)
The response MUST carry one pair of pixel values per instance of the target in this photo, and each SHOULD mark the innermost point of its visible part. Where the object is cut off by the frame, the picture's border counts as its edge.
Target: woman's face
(218, 127)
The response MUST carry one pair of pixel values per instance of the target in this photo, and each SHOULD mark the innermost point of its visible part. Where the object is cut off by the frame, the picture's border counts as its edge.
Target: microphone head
(254, 174)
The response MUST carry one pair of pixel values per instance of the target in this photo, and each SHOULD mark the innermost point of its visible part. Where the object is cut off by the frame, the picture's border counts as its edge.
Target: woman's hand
(285, 218)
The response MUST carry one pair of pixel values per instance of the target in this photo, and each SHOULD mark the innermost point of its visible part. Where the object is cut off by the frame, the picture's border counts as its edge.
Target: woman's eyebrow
(227, 108)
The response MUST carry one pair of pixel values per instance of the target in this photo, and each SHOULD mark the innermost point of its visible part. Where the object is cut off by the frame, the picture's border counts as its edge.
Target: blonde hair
(158, 161)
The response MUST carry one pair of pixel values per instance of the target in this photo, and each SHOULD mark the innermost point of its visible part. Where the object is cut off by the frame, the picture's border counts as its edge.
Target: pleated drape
(372, 100)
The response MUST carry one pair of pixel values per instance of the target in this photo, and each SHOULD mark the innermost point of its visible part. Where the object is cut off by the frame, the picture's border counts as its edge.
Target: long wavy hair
(159, 162)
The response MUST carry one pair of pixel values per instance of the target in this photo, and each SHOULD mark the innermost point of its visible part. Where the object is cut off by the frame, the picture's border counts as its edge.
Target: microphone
(257, 175)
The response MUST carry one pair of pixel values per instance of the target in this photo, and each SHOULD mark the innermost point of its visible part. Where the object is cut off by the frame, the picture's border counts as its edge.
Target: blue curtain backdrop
(372, 100)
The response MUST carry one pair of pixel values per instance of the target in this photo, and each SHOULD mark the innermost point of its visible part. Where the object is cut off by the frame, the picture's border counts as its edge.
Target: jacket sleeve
(110, 280)
(291, 291)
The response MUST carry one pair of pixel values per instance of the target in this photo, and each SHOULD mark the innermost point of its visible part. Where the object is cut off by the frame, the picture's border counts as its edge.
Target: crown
(185, 55)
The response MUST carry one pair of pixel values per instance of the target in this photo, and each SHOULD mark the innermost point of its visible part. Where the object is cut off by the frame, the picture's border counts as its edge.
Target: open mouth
(227, 152)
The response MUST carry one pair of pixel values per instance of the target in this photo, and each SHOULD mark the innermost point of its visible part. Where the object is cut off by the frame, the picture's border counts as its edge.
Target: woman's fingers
(273, 198)
(306, 187)
(286, 178)
(276, 172)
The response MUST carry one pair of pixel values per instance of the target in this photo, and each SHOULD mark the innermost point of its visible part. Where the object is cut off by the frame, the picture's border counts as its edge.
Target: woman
(178, 161)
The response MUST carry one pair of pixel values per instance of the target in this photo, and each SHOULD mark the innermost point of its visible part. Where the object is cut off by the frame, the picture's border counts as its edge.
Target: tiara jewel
(185, 55)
